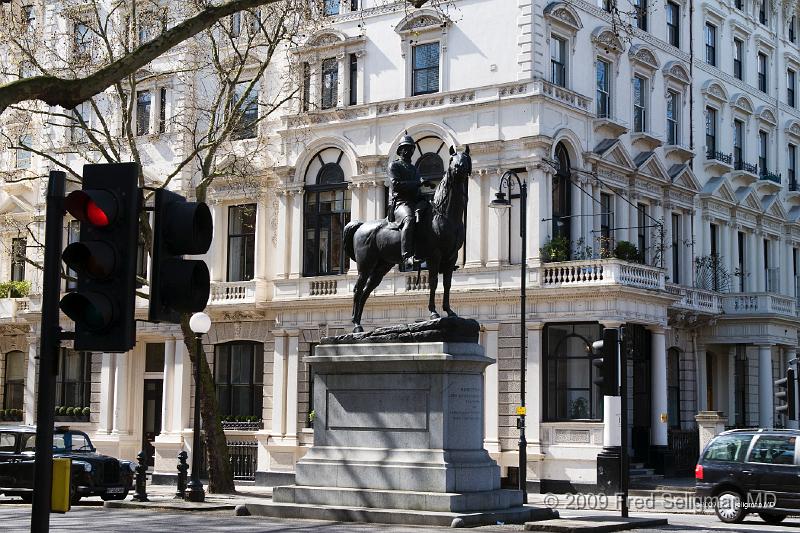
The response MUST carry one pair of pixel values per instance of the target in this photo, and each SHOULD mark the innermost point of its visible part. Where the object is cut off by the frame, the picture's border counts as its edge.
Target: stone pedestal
(399, 428)
(709, 424)
(399, 417)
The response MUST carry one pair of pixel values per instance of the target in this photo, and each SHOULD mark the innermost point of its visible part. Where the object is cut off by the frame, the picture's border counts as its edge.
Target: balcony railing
(232, 292)
(770, 176)
(758, 303)
(746, 167)
(719, 156)
(696, 300)
(601, 272)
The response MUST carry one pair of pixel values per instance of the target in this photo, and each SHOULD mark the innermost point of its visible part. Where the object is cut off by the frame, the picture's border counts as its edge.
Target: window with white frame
(763, 144)
(711, 132)
(738, 144)
(23, 156)
(558, 61)
(762, 72)
(791, 81)
(676, 247)
(244, 99)
(639, 104)
(711, 43)
(762, 11)
(143, 108)
(603, 88)
(29, 18)
(673, 117)
(738, 51)
(241, 242)
(791, 165)
(82, 40)
(19, 249)
(330, 83)
(674, 24)
(640, 14)
(80, 122)
(792, 29)
(425, 68)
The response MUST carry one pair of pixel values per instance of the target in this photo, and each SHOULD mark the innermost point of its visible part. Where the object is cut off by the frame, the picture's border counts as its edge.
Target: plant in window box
(606, 247)
(627, 251)
(311, 416)
(555, 250)
(579, 408)
(15, 289)
(582, 251)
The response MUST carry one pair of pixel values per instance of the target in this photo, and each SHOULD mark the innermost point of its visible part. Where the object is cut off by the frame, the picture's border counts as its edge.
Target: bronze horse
(375, 245)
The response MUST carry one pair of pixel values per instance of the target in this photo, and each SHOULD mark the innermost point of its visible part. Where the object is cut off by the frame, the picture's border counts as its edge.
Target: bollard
(141, 478)
(183, 468)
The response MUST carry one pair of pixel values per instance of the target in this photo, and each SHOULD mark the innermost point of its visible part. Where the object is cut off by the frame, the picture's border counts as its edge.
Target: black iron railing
(747, 167)
(720, 156)
(770, 176)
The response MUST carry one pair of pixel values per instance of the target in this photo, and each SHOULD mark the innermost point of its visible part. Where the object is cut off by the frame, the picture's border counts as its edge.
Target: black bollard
(141, 478)
(183, 469)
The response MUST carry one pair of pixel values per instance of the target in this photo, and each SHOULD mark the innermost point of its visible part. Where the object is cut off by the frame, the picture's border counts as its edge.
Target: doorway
(151, 416)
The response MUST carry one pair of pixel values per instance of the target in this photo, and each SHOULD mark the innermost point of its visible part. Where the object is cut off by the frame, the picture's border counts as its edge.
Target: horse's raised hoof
(434, 315)
(358, 329)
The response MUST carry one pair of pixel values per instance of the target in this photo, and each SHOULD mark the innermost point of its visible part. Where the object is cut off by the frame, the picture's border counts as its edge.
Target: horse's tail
(349, 233)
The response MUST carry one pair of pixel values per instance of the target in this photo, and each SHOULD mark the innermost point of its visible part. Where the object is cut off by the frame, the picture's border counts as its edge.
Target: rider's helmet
(405, 141)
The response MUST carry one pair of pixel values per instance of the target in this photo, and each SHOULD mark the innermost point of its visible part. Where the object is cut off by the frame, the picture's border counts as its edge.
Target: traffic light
(604, 358)
(104, 257)
(179, 285)
(784, 395)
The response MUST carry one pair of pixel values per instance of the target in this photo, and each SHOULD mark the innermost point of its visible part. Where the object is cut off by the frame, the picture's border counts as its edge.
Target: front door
(151, 419)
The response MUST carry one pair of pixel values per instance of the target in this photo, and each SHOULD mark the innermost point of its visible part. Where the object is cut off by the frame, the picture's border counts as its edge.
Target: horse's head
(460, 163)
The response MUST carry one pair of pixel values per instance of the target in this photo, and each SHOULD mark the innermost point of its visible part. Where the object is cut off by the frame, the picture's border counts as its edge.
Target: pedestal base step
(466, 502)
(522, 514)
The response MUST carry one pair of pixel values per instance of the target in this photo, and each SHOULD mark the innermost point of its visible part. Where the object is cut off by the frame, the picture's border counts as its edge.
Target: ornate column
(121, 408)
(766, 409)
(261, 237)
(533, 387)
(181, 387)
(687, 264)
(731, 410)
(621, 218)
(491, 391)
(702, 387)
(167, 391)
(283, 246)
(296, 233)
(738, 281)
(498, 227)
(659, 420)
(576, 210)
(790, 352)
(539, 207)
(292, 359)
(217, 253)
(105, 422)
(279, 384)
(668, 249)
(476, 219)
(341, 66)
(758, 263)
(29, 403)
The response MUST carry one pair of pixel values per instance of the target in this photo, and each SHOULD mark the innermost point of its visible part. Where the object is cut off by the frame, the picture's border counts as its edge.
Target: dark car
(751, 471)
(93, 474)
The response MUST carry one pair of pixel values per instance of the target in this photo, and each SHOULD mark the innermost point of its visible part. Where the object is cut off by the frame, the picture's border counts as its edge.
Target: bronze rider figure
(405, 186)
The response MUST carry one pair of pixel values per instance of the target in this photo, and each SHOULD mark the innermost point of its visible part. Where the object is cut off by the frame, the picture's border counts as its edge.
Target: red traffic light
(98, 208)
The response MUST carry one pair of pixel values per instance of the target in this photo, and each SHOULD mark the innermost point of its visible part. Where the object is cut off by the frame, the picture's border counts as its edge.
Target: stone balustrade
(749, 303)
(601, 272)
(232, 292)
(697, 300)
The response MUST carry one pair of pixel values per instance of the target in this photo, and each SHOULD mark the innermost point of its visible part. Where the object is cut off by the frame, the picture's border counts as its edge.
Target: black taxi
(93, 474)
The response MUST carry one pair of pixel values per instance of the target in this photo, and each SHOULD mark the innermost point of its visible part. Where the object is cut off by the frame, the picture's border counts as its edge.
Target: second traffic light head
(179, 285)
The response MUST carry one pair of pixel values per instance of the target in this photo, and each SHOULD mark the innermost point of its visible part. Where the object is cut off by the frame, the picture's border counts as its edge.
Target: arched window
(327, 211)
(430, 163)
(14, 380)
(239, 375)
(562, 195)
(570, 393)
(674, 387)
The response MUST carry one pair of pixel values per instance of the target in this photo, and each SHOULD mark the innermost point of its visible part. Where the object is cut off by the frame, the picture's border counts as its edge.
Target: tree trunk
(220, 474)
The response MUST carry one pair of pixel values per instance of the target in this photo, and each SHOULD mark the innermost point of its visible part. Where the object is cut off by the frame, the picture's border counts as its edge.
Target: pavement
(162, 497)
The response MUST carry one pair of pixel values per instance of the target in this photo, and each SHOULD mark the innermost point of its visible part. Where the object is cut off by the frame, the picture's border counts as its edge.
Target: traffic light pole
(49, 344)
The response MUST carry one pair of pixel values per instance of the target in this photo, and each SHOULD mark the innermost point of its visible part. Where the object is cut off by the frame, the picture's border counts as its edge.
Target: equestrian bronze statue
(414, 231)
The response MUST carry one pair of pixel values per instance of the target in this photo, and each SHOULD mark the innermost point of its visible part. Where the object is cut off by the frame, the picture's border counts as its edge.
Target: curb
(177, 506)
(594, 524)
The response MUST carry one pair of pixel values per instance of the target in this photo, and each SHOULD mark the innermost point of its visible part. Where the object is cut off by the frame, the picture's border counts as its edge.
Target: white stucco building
(678, 135)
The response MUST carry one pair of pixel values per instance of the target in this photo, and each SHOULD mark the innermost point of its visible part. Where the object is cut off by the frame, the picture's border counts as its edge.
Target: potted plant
(627, 251)
(554, 250)
(85, 412)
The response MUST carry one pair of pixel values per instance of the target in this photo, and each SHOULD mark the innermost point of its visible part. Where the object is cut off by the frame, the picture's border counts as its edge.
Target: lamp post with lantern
(199, 323)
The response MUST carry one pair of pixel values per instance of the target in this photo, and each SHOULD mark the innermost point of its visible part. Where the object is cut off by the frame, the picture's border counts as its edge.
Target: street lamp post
(501, 202)
(200, 323)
